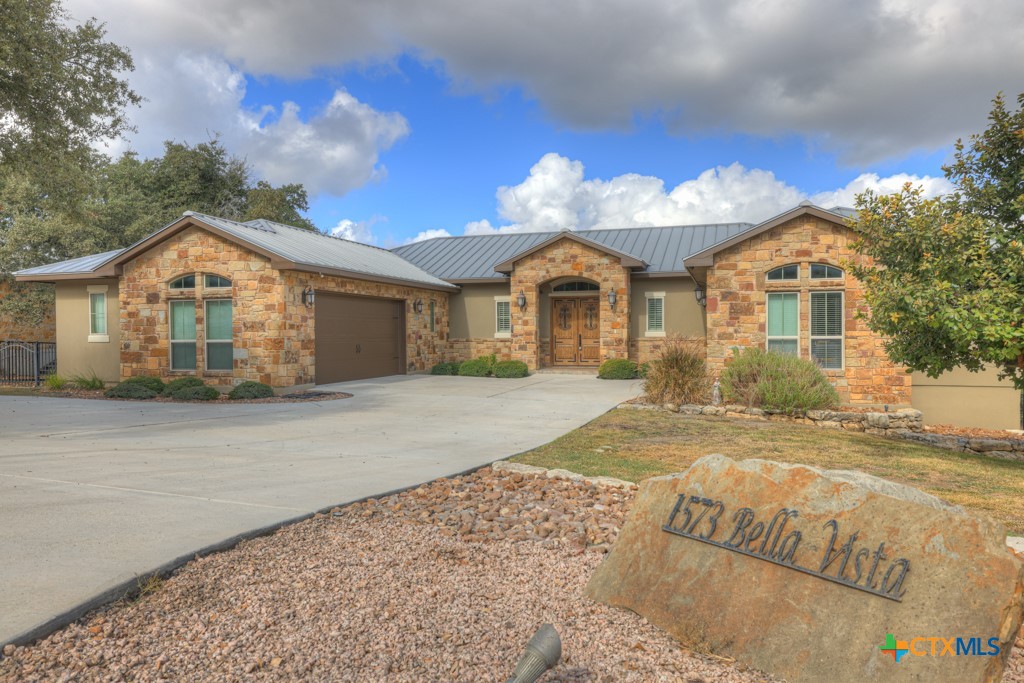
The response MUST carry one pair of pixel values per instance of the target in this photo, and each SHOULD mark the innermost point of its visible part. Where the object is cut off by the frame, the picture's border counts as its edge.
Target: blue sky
(407, 120)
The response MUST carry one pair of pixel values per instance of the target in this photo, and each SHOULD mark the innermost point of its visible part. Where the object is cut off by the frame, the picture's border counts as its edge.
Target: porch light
(521, 300)
(701, 296)
(418, 305)
(613, 298)
(308, 297)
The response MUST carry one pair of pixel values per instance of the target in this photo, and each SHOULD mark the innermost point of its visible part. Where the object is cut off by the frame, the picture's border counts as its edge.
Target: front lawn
(636, 444)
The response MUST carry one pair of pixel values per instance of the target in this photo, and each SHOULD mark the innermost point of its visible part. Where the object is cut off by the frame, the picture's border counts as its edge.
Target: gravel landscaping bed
(446, 582)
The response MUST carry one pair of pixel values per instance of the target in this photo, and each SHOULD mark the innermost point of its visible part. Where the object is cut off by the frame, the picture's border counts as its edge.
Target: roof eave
(57, 277)
(353, 275)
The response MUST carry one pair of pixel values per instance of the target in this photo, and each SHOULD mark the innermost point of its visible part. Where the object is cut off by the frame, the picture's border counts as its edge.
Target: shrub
(55, 382)
(202, 393)
(250, 390)
(154, 384)
(617, 368)
(478, 367)
(680, 375)
(510, 368)
(643, 369)
(777, 382)
(90, 381)
(133, 390)
(182, 383)
(446, 368)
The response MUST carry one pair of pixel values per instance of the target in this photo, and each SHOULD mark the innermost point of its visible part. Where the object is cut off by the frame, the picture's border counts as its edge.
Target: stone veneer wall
(423, 348)
(13, 328)
(569, 258)
(736, 306)
(644, 349)
(274, 333)
(466, 349)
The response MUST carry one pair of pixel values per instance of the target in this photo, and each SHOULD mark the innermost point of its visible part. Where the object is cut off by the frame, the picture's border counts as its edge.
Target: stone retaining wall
(904, 424)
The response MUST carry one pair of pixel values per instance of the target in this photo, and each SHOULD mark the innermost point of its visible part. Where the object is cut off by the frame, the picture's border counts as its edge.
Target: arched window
(211, 281)
(783, 273)
(576, 287)
(823, 271)
(184, 282)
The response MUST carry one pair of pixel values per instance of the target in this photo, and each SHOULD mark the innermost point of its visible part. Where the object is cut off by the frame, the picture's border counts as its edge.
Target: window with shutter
(784, 322)
(503, 315)
(827, 329)
(655, 315)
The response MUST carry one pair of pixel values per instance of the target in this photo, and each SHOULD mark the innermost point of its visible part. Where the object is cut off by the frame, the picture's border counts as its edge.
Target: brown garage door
(358, 337)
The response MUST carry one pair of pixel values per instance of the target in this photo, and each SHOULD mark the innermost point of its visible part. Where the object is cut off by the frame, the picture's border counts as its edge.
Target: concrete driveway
(93, 493)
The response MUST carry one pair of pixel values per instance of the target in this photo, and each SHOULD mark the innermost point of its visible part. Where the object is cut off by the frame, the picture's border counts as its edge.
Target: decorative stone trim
(608, 482)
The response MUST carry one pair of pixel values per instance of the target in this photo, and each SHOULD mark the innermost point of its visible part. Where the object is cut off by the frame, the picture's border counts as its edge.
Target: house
(230, 301)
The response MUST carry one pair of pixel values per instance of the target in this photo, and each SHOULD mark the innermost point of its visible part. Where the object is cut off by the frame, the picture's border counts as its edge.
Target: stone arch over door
(568, 259)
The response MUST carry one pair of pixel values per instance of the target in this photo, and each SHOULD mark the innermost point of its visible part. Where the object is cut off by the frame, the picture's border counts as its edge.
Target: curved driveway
(93, 493)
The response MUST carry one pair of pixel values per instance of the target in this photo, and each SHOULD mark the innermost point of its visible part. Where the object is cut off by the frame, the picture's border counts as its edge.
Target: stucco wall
(736, 310)
(684, 317)
(472, 310)
(15, 329)
(967, 399)
(76, 355)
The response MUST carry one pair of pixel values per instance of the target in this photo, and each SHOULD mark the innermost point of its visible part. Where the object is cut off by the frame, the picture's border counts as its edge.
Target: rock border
(905, 423)
(607, 482)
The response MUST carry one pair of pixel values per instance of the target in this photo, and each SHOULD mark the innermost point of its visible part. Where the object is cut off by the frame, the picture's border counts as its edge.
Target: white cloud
(556, 196)
(872, 79)
(428, 235)
(357, 231)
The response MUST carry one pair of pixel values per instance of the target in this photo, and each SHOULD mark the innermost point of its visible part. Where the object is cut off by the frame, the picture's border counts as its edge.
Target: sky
(409, 120)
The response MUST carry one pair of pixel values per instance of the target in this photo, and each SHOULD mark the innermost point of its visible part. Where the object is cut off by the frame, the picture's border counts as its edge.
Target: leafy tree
(279, 204)
(946, 286)
(61, 89)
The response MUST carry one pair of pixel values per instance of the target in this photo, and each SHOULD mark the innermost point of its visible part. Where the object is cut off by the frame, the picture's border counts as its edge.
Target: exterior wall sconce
(613, 298)
(417, 305)
(308, 297)
(521, 300)
(701, 296)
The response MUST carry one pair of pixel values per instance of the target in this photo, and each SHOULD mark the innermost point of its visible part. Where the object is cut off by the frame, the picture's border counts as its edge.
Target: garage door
(358, 337)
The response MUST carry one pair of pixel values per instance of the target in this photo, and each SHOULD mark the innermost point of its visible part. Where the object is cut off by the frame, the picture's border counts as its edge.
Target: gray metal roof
(82, 264)
(473, 257)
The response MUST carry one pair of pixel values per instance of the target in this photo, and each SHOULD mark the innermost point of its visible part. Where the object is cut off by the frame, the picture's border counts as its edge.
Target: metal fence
(23, 362)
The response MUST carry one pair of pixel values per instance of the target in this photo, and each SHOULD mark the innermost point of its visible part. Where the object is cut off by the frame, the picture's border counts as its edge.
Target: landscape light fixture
(613, 298)
(521, 300)
(542, 653)
(308, 297)
(417, 305)
(701, 296)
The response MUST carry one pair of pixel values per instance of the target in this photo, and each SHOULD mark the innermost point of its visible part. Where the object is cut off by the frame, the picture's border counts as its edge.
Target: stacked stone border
(905, 423)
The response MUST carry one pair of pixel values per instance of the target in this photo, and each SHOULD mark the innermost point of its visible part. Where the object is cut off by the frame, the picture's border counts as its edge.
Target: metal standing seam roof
(82, 264)
(473, 257)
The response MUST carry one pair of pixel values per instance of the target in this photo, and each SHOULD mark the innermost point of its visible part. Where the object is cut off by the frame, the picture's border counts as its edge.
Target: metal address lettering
(697, 518)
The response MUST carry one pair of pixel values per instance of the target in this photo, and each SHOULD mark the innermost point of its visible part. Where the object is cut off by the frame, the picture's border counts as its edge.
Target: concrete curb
(130, 589)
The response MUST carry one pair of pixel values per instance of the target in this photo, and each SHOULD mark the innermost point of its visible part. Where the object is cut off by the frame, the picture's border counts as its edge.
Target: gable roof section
(706, 257)
(473, 258)
(287, 247)
(628, 260)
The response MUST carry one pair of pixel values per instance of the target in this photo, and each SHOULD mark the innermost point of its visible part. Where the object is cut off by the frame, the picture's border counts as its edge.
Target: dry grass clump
(680, 375)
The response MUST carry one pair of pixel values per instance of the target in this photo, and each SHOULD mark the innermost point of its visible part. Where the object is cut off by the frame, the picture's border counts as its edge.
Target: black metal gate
(23, 362)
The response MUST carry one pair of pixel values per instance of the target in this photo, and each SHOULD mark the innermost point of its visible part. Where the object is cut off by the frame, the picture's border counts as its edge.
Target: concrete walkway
(93, 493)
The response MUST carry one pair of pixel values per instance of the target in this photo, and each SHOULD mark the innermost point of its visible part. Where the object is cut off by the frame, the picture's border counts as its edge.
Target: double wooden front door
(576, 332)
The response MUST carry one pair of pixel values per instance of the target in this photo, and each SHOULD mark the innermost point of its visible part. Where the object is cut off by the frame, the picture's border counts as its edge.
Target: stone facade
(645, 349)
(465, 349)
(736, 306)
(273, 332)
(569, 258)
(13, 328)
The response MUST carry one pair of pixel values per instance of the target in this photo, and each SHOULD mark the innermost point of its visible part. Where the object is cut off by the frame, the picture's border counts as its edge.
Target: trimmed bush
(680, 375)
(154, 384)
(251, 390)
(617, 368)
(182, 383)
(133, 390)
(203, 393)
(446, 368)
(478, 367)
(777, 382)
(510, 369)
(90, 381)
(55, 382)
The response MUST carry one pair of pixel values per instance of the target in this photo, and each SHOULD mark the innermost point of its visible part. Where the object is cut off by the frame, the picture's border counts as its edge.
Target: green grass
(636, 444)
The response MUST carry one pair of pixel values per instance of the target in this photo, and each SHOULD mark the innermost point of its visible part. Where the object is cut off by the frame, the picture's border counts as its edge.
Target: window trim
(433, 313)
(498, 332)
(810, 272)
(649, 296)
(842, 323)
(785, 279)
(94, 336)
(767, 325)
(171, 341)
(206, 335)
